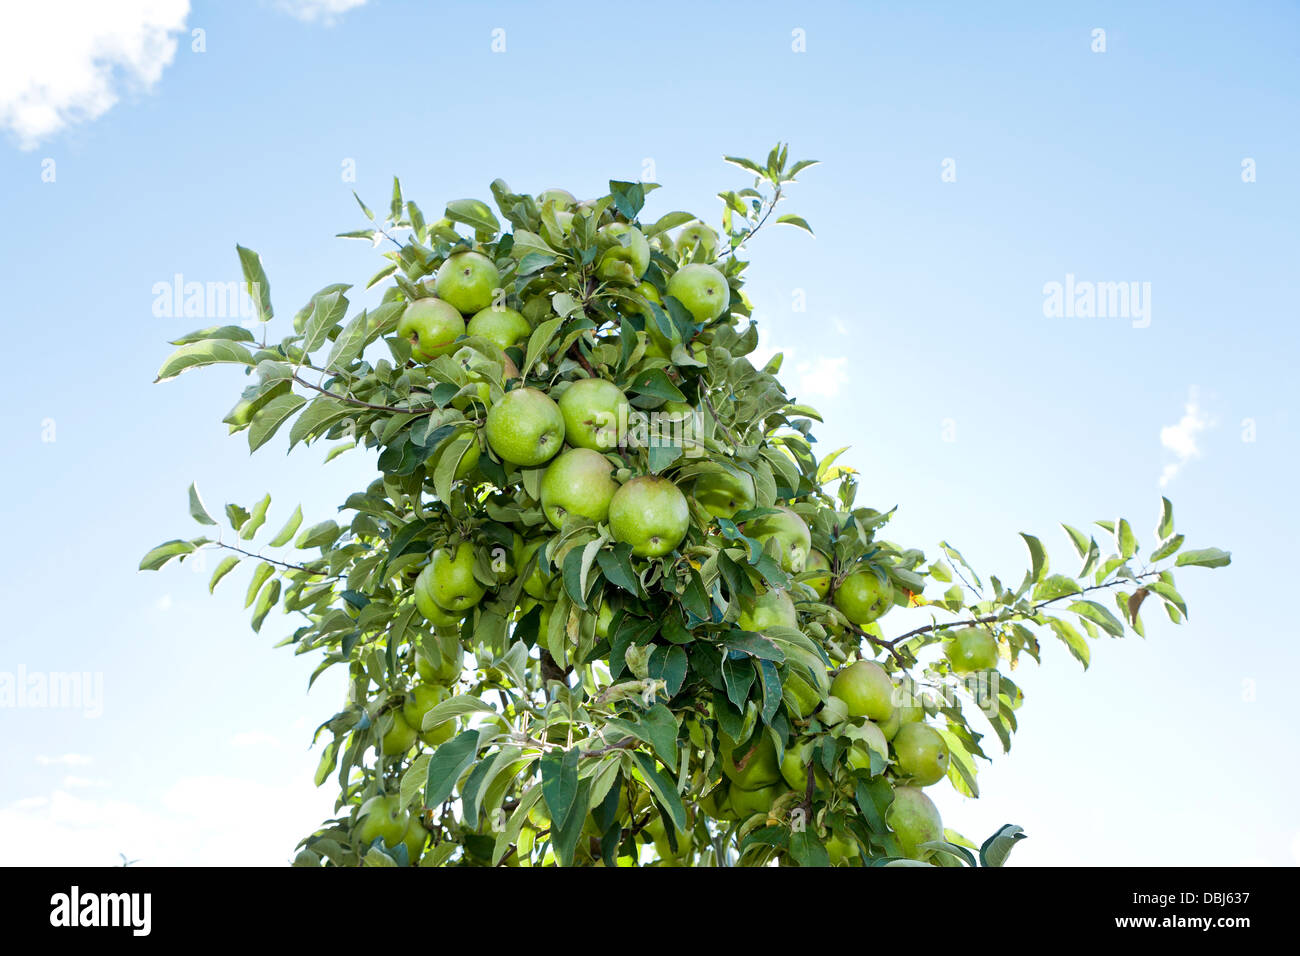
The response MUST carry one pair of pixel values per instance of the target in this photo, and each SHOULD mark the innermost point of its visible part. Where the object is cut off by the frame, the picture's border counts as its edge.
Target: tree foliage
(595, 706)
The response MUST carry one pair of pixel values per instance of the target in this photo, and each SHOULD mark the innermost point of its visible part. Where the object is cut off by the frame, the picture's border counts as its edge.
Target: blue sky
(923, 341)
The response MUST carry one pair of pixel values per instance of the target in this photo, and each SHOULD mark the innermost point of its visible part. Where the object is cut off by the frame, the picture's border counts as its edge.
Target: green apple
(723, 493)
(432, 327)
(604, 618)
(650, 514)
(594, 410)
(626, 256)
(748, 802)
(702, 290)
(867, 737)
(915, 820)
(449, 666)
(525, 428)
(436, 615)
(505, 327)
(559, 198)
(382, 817)
(578, 482)
(922, 754)
(468, 460)
(789, 531)
(656, 829)
(421, 699)
(865, 689)
(841, 849)
(695, 235)
(801, 697)
(794, 765)
(971, 649)
(539, 586)
(453, 586)
(400, 737)
(559, 234)
(770, 608)
(468, 280)
(758, 765)
(415, 837)
(820, 582)
(862, 597)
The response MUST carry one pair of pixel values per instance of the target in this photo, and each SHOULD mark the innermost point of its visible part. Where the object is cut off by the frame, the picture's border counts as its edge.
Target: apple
(770, 608)
(400, 737)
(801, 697)
(650, 514)
(626, 256)
(915, 820)
(468, 461)
(452, 584)
(432, 327)
(790, 533)
(971, 649)
(449, 666)
(594, 410)
(702, 289)
(716, 803)
(820, 582)
(841, 849)
(696, 235)
(867, 737)
(577, 482)
(525, 428)
(760, 767)
(468, 280)
(922, 754)
(505, 327)
(723, 493)
(794, 765)
(748, 802)
(558, 236)
(539, 586)
(865, 689)
(559, 198)
(656, 829)
(382, 817)
(421, 699)
(604, 618)
(436, 615)
(862, 597)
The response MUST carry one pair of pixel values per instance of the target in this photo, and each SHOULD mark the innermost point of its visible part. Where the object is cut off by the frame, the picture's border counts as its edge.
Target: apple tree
(604, 603)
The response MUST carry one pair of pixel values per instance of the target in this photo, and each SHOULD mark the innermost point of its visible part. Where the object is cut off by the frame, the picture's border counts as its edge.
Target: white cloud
(64, 760)
(1181, 438)
(819, 376)
(83, 783)
(163, 603)
(318, 11)
(64, 61)
(210, 821)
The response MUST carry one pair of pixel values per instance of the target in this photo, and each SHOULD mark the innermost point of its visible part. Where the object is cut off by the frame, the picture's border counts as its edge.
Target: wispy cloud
(1180, 438)
(66, 62)
(318, 11)
(64, 760)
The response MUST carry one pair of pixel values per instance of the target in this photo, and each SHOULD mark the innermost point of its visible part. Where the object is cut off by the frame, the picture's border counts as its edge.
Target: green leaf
(1078, 539)
(1072, 639)
(474, 213)
(796, 221)
(661, 729)
(664, 789)
(560, 783)
(1125, 539)
(347, 347)
(1167, 548)
(318, 536)
(225, 567)
(160, 555)
(256, 283)
(1099, 616)
(265, 601)
(327, 311)
(1055, 586)
(1170, 594)
(260, 575)
(255, 520)
(1166, 526)
(197, 511)
(1204, 558)
(270, 417)
(198, 354)
(447, 764)
(285, 534)
(654, 382)
(317, 419)
(998, 847)
(1037, 555)
(539, 340)
(234, 333)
